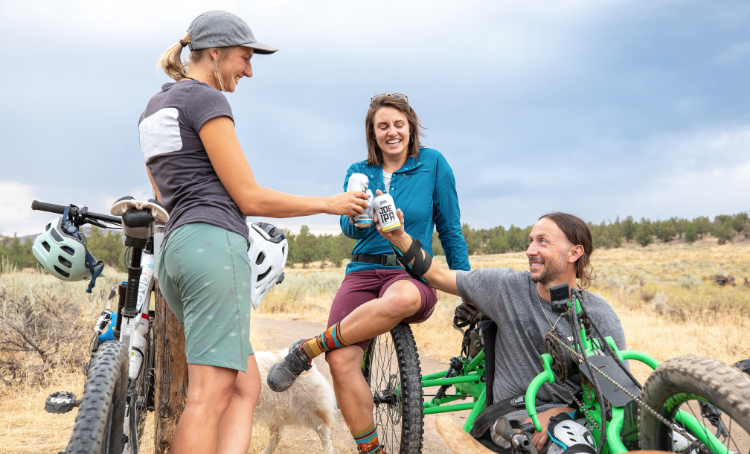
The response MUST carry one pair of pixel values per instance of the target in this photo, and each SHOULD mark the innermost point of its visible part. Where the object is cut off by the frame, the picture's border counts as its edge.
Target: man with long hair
(559, 251)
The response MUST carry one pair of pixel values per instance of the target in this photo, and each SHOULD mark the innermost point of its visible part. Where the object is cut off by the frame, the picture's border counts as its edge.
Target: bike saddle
(138, 217)
(125, 204)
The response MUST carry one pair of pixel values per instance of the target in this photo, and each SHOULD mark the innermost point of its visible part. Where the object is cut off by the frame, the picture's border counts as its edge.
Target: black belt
(380, 259)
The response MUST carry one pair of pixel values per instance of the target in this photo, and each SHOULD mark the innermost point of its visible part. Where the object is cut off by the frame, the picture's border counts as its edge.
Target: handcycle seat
(138, 217)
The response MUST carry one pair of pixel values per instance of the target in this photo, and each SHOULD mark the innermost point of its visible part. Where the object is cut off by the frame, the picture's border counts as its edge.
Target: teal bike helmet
(60, 249)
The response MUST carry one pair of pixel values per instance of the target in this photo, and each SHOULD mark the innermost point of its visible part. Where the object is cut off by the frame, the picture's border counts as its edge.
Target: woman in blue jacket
(377, 294)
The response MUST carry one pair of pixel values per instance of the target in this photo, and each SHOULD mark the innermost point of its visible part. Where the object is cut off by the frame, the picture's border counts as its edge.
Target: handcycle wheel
(98, 426)
(688, 383)
(391, 368)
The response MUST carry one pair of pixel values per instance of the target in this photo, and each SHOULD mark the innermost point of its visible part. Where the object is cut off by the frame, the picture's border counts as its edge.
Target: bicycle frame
(145, 267)
(133, 306)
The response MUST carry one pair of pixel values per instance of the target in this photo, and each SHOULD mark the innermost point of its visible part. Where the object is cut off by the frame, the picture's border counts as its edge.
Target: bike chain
(637, 400)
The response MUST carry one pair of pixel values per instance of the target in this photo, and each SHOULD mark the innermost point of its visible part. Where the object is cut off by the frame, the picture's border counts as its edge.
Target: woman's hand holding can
(347, 203)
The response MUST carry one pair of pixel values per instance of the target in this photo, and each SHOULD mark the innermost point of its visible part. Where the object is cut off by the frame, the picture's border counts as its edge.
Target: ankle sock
(329, 340)
(367, 441)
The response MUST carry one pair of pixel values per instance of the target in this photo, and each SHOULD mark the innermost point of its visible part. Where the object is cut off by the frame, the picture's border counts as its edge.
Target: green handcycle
(688, 404)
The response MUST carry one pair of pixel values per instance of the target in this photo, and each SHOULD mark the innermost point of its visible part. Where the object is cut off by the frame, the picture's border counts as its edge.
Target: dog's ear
(456, 439)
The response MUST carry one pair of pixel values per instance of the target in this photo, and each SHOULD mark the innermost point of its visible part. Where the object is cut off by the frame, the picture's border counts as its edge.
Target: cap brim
(260, 48)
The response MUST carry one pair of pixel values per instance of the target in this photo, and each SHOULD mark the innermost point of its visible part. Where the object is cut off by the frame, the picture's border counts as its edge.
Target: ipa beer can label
(357, 182)
(386, 210)
(365, 218)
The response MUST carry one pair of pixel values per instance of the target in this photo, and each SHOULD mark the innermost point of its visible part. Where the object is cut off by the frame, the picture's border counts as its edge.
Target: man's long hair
(578, 233)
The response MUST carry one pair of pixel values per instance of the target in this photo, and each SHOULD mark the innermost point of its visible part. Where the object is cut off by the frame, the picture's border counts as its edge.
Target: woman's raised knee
(403, 299)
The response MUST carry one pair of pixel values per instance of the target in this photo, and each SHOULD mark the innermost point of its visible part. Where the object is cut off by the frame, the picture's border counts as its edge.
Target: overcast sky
(598, 108)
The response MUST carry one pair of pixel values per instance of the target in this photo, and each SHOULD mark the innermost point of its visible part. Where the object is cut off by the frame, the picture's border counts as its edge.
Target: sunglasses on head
(392, 95)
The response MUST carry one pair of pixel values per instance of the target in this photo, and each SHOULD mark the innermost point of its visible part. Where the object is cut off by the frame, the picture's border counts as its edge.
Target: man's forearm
(436, 277)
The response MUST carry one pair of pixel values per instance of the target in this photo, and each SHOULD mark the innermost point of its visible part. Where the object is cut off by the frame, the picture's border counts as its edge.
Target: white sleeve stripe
(160, 133)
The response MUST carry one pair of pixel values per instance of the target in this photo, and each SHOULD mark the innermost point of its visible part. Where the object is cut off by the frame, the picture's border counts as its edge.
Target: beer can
(365, 219)
(357, 182)
(386, 210)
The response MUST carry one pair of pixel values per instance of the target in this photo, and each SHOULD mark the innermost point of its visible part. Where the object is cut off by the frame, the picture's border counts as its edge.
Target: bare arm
(436, 277)
(229, 162)
(156, 190)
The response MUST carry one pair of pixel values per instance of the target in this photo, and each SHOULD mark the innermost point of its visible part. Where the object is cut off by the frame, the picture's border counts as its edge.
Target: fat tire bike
(689, 404)
(120, 377)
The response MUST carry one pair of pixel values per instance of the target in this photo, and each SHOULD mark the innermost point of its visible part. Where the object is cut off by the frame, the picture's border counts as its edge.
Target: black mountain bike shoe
(282, 374)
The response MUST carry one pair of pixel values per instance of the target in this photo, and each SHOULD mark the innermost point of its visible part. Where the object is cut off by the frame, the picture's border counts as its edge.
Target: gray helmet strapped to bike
(61, 250)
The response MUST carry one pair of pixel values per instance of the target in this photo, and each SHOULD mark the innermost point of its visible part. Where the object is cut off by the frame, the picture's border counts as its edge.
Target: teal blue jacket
(425, 190)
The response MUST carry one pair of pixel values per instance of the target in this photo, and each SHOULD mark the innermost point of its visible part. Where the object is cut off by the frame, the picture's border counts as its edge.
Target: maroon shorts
(360, 287)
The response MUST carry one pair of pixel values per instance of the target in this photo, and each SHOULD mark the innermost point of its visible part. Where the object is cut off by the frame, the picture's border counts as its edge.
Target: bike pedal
(60, 402)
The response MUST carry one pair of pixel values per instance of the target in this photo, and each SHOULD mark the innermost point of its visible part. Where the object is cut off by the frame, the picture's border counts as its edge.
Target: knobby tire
(99, 422)
(678, 383)
(391, 368)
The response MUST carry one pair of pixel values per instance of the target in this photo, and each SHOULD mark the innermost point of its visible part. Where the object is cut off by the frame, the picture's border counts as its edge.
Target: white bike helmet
(268, 252)
(60, 250)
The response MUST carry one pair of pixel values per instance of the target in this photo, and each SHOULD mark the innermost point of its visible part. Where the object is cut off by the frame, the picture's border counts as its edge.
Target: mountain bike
(688, 404)
(120, 377)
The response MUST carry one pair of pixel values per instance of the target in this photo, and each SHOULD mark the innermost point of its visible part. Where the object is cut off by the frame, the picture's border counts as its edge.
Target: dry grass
(666, 306)
(25, 428)
(662, 294)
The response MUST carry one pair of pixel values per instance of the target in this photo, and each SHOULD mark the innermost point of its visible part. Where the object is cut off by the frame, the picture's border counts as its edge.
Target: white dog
(310, 402)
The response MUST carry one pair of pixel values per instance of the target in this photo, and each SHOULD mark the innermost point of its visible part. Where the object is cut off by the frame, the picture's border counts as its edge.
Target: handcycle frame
(469, 381)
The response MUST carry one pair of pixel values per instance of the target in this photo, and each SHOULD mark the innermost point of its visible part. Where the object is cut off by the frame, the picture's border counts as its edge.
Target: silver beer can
(357, 182)
(386, 210)
(365, 219)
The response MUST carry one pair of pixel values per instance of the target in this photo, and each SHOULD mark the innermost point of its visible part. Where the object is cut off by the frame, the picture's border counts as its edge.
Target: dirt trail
(277, 334)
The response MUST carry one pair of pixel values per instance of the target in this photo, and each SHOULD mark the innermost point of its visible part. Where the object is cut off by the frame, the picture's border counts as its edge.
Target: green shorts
(204, 274)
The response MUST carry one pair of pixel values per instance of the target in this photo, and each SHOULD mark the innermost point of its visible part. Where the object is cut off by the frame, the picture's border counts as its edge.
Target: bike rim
(720, 434)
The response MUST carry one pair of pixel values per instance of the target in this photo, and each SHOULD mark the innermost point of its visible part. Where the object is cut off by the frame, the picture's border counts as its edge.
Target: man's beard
(552, 270)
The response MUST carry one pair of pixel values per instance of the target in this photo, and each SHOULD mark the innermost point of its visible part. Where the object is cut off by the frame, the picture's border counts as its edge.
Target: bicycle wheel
(98, 426)
(391, 368)
(141, 399)
(145, 386)
(715, 394)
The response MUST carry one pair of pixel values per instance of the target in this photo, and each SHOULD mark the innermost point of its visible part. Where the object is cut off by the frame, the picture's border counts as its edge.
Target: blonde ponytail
(170, 60)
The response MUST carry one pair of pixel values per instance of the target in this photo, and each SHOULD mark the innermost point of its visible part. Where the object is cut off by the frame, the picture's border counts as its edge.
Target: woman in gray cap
(202, 177)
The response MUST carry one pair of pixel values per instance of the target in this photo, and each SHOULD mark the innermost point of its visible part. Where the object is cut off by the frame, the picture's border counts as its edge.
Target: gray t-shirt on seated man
(174, 153)
(509, 298)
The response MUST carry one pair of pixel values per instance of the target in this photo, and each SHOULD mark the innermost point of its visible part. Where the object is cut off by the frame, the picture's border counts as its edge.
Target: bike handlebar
(44, 206)
(60, 209)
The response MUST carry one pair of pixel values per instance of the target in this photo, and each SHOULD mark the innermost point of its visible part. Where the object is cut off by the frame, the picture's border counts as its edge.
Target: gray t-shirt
(509, 298)
(168, 128)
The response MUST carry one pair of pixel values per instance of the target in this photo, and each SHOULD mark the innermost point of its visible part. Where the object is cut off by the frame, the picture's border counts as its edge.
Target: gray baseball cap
(223, 29)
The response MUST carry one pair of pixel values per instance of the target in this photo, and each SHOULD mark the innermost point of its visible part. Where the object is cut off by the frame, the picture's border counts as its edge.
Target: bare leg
(208, 396)
(236, 426)
(352, 391)
(380, 315)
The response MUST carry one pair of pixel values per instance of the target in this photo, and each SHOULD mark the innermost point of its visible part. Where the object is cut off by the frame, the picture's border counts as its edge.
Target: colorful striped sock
(367, 441)
(329, 340)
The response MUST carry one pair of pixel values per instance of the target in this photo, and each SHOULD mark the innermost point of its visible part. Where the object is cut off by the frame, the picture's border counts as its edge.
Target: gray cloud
(603, 109)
